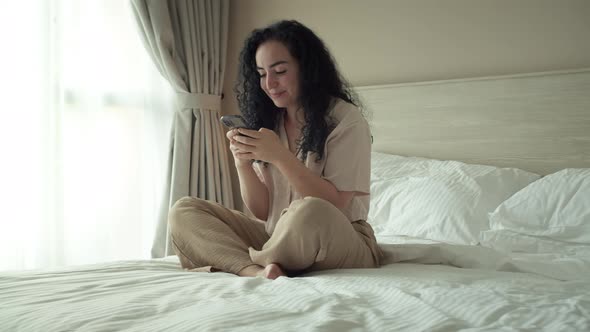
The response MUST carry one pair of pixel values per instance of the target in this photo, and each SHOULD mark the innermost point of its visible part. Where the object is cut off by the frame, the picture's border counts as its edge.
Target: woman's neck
(294, 117)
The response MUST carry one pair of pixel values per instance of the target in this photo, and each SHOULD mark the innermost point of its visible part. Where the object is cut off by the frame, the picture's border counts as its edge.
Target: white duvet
(492, 292)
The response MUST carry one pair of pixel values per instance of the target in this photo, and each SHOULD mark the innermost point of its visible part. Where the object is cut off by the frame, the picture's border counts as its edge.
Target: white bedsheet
(156, 295)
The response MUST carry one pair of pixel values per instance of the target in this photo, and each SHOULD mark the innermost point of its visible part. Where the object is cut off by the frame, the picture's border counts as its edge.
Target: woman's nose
(271, 82)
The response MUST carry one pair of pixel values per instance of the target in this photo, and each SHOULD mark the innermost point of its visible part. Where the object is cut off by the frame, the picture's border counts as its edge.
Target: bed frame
(539, 122)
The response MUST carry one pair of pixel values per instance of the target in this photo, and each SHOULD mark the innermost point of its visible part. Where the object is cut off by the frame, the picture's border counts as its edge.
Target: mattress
(423, 286)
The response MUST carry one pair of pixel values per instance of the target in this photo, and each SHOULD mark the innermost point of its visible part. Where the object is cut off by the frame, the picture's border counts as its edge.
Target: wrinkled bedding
(421, 287)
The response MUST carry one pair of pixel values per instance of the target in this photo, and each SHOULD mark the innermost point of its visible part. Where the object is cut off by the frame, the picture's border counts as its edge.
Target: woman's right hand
(240, 159)
(253, 190)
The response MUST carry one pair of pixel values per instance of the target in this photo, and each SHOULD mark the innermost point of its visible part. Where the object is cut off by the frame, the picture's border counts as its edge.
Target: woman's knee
(181, 212)
(188, 201)
(312, 213)
(314, 205)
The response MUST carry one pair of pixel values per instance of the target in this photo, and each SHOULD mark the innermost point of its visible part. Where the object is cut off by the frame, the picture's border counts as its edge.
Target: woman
(310, 192)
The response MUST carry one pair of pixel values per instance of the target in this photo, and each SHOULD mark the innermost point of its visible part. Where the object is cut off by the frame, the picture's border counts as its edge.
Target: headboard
(538, 122)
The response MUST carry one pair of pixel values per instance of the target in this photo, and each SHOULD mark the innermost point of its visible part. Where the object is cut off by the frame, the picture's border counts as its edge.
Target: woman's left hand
(263, 144)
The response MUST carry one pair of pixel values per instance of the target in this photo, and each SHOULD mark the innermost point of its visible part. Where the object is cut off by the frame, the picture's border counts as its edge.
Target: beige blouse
(346, 164)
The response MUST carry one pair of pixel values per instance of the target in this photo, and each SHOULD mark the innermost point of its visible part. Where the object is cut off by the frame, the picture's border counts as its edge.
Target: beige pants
(312, 234)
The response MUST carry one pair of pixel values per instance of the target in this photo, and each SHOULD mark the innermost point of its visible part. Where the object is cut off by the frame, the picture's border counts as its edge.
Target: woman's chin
(279, 103)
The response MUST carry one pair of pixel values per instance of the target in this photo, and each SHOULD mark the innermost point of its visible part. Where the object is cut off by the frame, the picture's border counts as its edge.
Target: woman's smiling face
(279, 74)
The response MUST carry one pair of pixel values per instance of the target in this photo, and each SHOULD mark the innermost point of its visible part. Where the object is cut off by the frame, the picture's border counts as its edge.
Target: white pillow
(447, 201)
(556, 207)
(510, 242)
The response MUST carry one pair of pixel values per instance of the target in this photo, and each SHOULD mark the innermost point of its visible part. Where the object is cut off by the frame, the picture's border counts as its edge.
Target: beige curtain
(187, 40)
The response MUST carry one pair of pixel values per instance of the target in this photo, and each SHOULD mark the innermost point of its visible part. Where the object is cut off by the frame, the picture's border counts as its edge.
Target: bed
(480, 201)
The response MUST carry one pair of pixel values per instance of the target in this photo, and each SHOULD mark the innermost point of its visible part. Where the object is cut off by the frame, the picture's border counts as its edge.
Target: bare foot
(272, 271)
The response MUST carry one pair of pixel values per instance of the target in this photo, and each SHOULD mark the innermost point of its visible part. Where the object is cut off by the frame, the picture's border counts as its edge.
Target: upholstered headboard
(538, 122)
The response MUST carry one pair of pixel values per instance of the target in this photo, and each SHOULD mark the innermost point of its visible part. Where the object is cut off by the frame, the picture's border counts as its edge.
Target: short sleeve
(348, 156)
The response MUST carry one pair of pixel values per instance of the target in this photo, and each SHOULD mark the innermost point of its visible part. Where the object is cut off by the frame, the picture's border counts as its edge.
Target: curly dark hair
(319, 83)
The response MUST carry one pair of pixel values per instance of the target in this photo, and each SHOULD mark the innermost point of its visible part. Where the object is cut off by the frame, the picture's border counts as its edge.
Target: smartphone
(236, 121)
(233, 121)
